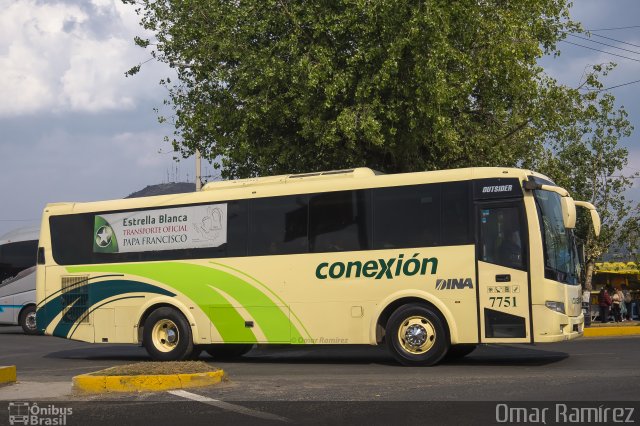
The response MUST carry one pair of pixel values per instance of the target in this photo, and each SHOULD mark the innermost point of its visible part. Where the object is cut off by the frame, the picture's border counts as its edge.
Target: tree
(630, 235)
(586, 158)
(281, 86)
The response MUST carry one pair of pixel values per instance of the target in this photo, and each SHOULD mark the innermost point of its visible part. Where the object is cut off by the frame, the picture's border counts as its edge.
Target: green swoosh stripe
(98, 291)
(292, 313)
(195, 282)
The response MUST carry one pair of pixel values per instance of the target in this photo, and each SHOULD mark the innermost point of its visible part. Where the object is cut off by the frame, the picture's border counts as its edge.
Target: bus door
(503, 258)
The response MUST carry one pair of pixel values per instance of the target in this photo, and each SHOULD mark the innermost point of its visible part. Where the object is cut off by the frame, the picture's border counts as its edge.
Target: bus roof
(21, 234)
(266, 180)
(269, 186)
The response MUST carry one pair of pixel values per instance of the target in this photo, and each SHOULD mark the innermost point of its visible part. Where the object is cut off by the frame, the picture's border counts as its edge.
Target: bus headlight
(555, 306)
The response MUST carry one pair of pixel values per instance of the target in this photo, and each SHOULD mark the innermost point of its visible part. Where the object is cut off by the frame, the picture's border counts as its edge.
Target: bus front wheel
(167, 335)
(416, 335)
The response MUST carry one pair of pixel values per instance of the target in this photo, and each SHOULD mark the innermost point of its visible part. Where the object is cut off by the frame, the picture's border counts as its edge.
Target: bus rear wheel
(416, 335)
(227, 351)
(27, 320)
(167, 335)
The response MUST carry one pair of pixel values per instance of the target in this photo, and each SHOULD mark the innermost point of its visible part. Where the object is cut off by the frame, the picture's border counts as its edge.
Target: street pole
(198, 172)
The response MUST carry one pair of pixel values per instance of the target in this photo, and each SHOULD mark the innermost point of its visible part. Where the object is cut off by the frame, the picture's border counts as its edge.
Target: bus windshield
(560, 254)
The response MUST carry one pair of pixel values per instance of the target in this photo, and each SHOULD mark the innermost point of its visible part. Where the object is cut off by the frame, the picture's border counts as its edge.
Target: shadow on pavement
(103, 353)
(489, 355)
(10, 329)
(492, 355)
(318, 354)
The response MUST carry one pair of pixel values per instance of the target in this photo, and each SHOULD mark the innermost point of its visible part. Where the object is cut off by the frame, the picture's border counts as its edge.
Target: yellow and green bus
(430, 264)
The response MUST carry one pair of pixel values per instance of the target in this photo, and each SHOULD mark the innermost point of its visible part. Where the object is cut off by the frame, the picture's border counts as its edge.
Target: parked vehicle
(18, 253)
(430, 264)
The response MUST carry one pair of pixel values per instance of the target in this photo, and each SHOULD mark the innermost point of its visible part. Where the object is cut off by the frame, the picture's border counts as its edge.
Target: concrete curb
(103, 384)
(611, 331)
(8, 374)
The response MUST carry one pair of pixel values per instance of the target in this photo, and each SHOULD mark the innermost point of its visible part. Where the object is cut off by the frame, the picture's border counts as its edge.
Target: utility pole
(198, 172)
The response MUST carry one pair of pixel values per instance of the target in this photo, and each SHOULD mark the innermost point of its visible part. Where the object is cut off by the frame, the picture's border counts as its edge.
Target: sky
(74, 128)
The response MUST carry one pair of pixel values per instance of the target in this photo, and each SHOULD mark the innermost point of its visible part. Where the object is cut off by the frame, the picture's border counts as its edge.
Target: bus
(18, 250)
(429, 264)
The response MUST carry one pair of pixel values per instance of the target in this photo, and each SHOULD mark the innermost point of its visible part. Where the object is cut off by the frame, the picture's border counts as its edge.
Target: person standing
(623, 306)
(627, 302)
(604, 302)
(615, 305)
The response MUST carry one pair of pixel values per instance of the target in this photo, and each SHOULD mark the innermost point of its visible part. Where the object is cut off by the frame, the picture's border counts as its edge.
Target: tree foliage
(280, 86)
(586, 158)
(283, 86)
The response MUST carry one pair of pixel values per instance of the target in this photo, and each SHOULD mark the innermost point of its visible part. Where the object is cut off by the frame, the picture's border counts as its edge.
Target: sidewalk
(626, 328)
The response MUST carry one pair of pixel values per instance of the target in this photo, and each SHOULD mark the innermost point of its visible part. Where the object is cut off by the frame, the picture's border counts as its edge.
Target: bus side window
(501, 239)
(278, 225)
(456, 215)
(338, 221)
(406, 216)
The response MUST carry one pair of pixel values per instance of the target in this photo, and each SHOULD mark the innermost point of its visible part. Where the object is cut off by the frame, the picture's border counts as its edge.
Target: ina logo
(453, 283)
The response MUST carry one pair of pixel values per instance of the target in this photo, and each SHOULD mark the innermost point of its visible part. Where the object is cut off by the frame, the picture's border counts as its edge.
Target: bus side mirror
(568, 212)
(595, 217)
(568, 205)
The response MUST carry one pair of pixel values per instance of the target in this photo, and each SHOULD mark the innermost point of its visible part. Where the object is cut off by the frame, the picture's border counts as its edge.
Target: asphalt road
(282, 379)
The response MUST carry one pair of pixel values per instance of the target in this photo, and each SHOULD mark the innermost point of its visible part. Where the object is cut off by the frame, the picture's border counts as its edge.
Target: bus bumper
(550, 326)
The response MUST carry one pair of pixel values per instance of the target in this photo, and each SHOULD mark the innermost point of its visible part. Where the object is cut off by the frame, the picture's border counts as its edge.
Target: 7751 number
(503, 301)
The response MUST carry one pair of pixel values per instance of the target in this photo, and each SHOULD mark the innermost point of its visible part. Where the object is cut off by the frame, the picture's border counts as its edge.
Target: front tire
(27, 320)
(416, 335)
(167, 335)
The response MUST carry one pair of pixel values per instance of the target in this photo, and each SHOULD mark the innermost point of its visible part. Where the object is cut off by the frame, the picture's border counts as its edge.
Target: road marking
(227, 406)
(595, 353)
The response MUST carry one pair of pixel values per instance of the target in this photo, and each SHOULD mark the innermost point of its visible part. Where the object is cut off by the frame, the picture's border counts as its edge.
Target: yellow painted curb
(160, 382)
(8, 374)
(611, 331)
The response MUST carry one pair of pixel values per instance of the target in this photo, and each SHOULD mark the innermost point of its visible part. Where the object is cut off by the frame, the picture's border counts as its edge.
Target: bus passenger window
(278, 225)
(456, 219)
(406, 216)
(338, 222)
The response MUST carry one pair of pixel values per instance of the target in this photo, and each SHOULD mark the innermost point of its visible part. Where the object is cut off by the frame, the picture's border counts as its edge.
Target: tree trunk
(588, 275)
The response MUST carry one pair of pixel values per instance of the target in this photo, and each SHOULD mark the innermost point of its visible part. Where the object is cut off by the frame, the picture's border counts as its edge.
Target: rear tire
(227, 351)
(460, 351)
(27, 320)
(167, 335)
(416, 335)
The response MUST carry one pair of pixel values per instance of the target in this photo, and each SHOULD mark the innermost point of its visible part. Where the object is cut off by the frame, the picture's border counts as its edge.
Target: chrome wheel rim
(165, 335)
(416, 335)
(30, 321)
